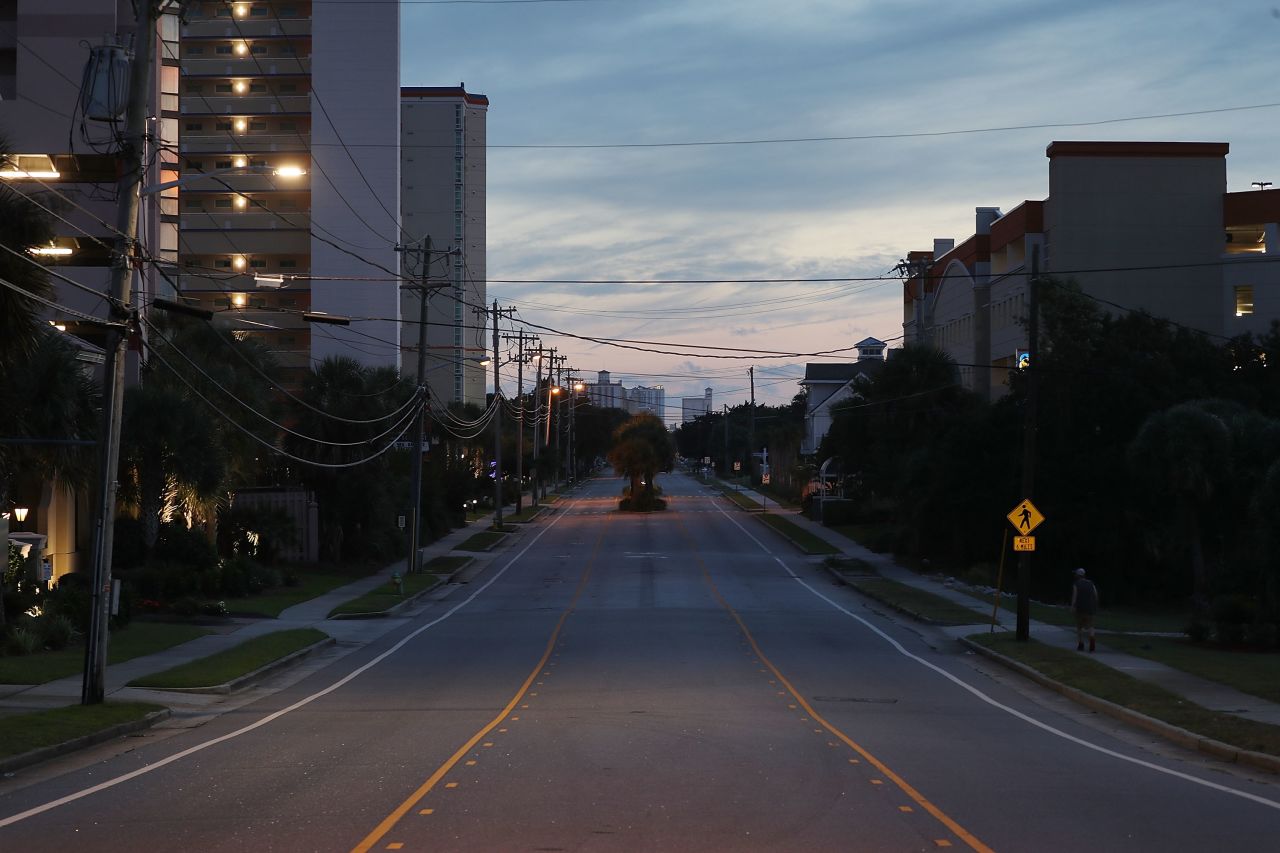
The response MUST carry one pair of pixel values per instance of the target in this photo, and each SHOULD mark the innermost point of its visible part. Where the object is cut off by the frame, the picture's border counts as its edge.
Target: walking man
(1084, 603)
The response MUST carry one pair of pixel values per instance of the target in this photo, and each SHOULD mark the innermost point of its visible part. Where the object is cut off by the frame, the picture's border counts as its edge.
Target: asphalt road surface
(671, 681)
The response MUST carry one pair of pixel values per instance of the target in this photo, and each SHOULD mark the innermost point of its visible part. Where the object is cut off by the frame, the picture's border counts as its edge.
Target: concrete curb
(248, 678)
(395, 609)
(1181, 737)
(44, 753)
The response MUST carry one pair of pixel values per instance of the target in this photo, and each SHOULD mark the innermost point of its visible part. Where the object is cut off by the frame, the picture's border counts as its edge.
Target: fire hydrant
(398, 583)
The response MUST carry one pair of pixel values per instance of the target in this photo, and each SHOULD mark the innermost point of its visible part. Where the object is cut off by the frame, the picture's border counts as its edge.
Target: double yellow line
(919, 798)
(380, 831)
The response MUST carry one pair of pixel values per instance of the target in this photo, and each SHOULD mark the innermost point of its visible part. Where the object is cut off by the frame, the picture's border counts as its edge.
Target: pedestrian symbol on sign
(1025, 518)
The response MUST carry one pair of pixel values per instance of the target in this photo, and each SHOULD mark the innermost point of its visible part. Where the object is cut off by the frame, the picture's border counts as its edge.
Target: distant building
(443, 144)
(607, 393)
(1142, 226)
(692, 408)
(651, 399)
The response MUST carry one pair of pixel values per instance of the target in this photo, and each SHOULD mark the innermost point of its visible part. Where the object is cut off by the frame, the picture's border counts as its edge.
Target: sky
(961, 96)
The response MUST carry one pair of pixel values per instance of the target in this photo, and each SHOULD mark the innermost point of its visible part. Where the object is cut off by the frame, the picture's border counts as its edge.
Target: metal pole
(497, 427)
(520, 424)
(424, 391)
(1023, 632)
(127, 188)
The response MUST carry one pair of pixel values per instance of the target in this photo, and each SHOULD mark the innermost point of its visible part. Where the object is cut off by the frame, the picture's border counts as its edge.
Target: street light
(241, 167)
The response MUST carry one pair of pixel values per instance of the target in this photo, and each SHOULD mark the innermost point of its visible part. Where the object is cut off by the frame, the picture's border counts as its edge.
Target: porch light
(240, 162)
(238, 262)
(241, 202)
(51, 251)
(20, 513)
(241, 87)
(291, 171)
(238, 300)
(241, 125)
(241, 48)
(61, 327)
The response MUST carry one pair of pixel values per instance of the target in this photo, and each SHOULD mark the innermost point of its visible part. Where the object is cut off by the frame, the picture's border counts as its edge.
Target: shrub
(70, 598)
(128, 548)
(186, 606)
(22, 640)
(56, 631)
(214, 608)
(178, 543)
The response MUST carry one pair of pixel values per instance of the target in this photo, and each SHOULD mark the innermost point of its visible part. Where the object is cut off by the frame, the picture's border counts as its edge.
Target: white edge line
(178, 756)
(993, 702)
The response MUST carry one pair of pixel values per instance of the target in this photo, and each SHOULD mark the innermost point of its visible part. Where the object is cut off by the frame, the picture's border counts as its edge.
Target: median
(387, 598)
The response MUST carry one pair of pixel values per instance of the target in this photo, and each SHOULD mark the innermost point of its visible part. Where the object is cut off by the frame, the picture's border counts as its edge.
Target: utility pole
(520, 339)
(1029, 426)
(537, 421)
(497, 419)
(726, 440)
(412, 565)
(127, 192)
(559, 422)
(751, 432)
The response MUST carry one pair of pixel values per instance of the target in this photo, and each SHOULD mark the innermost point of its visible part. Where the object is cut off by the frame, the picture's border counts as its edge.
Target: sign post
(1025, 518)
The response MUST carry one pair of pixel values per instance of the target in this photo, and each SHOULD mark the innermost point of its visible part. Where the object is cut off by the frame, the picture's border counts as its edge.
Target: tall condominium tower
(442, 162)
(290, 195)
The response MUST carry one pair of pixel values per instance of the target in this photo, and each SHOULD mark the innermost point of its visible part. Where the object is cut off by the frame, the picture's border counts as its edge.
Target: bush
(20, 639)
(70, 598)
(128, 548)
(213, 608)
(1232, 614)
(56, 631)
(178, 543)
(186, 606)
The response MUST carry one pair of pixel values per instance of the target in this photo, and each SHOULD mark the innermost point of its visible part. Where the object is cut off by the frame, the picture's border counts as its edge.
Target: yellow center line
(426, 787)
(960, 832)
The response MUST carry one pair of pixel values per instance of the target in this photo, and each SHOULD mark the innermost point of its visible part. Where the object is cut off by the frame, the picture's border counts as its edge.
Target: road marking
(979, 694)
(426, 811)
(471, 763)
(451, 784)
(434, 779)
(919, 798)
(301, 703)
(395, 845)
(906, 809)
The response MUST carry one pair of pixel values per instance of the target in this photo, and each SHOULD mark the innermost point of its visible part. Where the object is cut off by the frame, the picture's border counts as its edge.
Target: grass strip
(482, 541)
(525, 515)
(740, 499)
(234, 662)
(1096, 679)
(866, 535)
(133, 640)
(1109, 619)
(917, 603)
(25, 732)
(272, 603)
(1255, 673)
(803, 539)
(387, 596)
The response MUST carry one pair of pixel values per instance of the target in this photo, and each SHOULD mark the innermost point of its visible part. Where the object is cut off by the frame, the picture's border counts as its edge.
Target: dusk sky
(964, 97)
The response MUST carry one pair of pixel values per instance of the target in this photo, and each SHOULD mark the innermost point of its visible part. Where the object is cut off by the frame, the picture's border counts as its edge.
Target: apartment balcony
(194, 106)
(248, 142)
(241, 28)
(246, 66)
(208, 288)
(244, 242)
(229, 220)
(244, 184)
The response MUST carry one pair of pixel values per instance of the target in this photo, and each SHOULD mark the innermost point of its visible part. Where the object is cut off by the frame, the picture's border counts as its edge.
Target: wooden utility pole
(1029, 426)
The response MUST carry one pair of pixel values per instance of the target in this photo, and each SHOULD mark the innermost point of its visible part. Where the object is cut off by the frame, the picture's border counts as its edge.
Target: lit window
(1244, 300)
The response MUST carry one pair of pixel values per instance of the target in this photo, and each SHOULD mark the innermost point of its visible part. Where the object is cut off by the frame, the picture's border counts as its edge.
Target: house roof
(838, 373)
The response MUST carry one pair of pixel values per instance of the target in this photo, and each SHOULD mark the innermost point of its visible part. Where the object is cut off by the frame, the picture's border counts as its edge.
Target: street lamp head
(20, 513)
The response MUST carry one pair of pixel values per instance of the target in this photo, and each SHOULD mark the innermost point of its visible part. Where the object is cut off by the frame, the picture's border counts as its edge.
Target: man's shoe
(1079, 647)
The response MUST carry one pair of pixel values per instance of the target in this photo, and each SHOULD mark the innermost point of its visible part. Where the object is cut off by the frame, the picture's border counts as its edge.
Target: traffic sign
(1024, 543)
(737, 466)
(1025, 518)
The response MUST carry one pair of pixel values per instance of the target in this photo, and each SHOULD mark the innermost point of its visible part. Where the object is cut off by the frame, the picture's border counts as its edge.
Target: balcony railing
(232, 219)
(242, 28)
(246, 66)
(248, 104)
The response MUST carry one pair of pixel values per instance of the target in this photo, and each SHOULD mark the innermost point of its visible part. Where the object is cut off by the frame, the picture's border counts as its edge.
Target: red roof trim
(444, 92)
(1254, 207)
(1137, 149)
(1026, 218)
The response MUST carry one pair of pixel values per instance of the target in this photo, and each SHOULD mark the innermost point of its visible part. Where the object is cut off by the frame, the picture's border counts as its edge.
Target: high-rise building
(692, 408)
(647, 399)
(442, 166)
(607, 393)
(290, 112)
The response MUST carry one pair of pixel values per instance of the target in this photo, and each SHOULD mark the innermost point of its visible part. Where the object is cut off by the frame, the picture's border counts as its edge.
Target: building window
(194, 88)
(194, 125)
(288, 264)
(257, 87)
(259, 11)
(194, 204)
(288, 88)
(222, 87)
(195, 50)
(1244, 300)
(222, 49)
(288, 125)
(223, 263)
(288, 50)
(260, 50)
(223, 125)
(257, 125)
(222, 164)
(258, 264)
(222, 202)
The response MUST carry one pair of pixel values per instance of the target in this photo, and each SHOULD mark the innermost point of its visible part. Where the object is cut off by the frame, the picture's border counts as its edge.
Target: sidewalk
(1207, 694)
(16, 698)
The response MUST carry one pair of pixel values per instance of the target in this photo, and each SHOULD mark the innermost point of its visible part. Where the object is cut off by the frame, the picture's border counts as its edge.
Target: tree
(641, 448)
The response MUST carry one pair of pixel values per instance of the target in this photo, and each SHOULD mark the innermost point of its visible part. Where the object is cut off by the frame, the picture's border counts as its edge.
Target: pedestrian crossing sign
(1025, 517)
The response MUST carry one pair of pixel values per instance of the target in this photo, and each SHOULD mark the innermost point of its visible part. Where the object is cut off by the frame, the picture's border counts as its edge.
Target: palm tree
(641, 448)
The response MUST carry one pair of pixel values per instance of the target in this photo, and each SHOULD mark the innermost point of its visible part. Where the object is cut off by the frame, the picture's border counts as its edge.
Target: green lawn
(272, 602)
(483, 541)
(1109, 618)
(740, 499)
(387, 596)
(25, 732)
(234, 662)
(863, 534)
(525, 515)
(133, 640)
(916, 602)
(1256, 673)
(1099, 680)
(803, 539)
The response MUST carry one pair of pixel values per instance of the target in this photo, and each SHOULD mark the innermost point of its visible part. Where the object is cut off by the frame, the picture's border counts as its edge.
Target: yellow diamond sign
(1025, 517)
